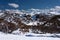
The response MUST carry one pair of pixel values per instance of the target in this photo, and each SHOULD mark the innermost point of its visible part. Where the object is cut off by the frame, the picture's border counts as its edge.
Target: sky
(28, 4)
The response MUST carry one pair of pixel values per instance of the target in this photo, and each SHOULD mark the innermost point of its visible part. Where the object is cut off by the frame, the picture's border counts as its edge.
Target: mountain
(35, 20)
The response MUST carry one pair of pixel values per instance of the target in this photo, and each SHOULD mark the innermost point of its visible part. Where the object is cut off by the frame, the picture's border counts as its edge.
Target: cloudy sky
(28, 4)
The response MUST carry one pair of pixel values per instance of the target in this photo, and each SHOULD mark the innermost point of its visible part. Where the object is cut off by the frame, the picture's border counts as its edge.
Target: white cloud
(13, 5)
(57, 7)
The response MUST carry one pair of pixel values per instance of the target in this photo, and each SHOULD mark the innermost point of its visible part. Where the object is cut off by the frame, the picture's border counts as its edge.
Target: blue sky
(28, 4)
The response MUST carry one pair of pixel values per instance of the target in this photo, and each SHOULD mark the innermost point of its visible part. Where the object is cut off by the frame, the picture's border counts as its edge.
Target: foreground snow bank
(22, 37)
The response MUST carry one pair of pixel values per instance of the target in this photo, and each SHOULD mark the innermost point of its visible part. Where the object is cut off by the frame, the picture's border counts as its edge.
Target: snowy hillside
(23, 37)
(31, 24)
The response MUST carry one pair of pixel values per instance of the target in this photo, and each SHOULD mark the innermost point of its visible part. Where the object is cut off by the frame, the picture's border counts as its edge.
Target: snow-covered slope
(23, 37)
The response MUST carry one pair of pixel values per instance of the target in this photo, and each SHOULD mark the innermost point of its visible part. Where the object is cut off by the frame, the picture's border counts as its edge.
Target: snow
(22, 37)
(55, 13)
(28, 36)
(32, 23)
(1, 14)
